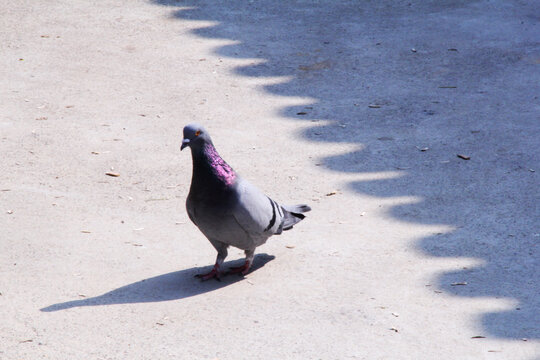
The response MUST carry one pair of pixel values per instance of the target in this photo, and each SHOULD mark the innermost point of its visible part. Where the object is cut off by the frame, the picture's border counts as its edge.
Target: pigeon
(228, 209)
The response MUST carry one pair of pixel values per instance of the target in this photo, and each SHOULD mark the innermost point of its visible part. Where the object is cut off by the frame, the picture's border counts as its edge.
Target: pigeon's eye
(198, 132)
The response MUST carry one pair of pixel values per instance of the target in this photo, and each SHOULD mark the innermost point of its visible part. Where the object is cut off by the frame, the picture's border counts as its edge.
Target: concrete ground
(358, 108)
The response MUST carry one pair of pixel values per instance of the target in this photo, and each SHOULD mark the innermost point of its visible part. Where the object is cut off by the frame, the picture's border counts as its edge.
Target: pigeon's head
(195, 136)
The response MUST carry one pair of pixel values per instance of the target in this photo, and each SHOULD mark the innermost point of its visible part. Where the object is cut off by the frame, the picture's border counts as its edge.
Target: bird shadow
(175, 285)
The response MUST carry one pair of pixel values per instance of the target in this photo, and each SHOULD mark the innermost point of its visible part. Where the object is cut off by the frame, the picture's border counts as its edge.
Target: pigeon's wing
(256, 213)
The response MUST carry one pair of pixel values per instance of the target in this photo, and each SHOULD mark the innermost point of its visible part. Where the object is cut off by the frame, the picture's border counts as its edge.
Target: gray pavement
(358, 108)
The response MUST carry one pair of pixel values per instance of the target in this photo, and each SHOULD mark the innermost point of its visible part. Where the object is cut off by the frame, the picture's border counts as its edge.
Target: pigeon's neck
(211, 161)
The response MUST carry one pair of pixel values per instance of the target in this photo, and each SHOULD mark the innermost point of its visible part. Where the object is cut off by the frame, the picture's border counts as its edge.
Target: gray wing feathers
(258, 215)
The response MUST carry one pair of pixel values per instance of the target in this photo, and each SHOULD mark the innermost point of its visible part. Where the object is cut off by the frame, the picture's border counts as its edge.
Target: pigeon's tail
(292, 215)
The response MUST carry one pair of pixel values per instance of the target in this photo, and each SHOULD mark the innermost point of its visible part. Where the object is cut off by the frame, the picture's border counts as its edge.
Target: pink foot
(214, 274)
(244, 269)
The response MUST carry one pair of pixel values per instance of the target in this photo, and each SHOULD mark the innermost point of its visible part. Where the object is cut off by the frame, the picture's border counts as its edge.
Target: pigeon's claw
(214, 274)
(244, 269)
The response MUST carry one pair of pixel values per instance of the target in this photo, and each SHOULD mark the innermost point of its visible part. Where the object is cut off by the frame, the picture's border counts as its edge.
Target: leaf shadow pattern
(175, 285)
(396, 77)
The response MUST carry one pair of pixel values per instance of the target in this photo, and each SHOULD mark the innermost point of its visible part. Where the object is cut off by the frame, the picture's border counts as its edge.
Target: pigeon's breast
(217, 218)
(217, 222)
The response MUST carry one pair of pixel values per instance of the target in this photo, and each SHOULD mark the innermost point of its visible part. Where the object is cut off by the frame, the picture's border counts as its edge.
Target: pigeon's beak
(185, 143)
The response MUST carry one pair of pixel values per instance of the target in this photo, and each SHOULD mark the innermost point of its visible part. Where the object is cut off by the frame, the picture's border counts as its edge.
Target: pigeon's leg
(244, 269)
(216, 271)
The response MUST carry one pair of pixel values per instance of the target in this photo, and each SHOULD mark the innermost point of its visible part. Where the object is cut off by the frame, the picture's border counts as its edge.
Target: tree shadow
(172, 286)
(416, 84)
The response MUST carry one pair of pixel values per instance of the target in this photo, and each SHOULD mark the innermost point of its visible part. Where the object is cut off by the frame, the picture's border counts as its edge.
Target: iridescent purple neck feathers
(220, 168)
